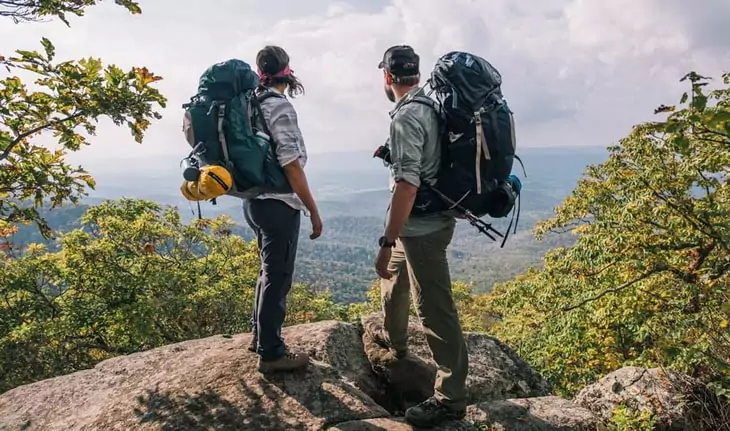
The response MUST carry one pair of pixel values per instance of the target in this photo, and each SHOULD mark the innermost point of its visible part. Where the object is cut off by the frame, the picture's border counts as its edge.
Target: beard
(389, 94)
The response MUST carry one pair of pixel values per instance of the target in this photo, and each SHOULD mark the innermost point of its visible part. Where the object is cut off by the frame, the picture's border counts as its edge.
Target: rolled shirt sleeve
(407, 138)
(285, 132)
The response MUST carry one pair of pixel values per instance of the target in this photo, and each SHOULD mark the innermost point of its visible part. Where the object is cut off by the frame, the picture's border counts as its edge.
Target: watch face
(383, 242)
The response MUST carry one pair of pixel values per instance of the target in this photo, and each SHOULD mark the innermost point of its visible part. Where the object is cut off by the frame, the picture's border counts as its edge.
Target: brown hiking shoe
(289, 362)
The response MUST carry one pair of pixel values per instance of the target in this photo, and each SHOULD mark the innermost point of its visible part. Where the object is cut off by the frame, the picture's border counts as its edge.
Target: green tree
(647, 281)
(133, 277)
(66, 99)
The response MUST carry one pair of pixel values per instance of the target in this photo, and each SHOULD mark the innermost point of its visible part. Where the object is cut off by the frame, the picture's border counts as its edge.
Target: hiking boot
(289, 362)
(380, 336)
(431, 412)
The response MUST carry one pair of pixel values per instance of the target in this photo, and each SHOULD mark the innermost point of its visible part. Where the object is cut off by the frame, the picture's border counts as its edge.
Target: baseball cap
(400, 60)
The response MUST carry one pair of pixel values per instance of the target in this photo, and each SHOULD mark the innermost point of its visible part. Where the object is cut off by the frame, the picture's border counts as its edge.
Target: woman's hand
(298, 180)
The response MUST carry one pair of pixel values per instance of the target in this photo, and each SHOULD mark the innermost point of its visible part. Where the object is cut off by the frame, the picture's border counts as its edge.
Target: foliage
(647, 281)
(624, 418)
(35, 10)
(66, 99)
(133, 277)
(342, 263)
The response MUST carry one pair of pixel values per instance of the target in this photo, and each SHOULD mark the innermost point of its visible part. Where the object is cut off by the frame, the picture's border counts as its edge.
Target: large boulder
(495, 370)
(210, 383)
(676, 401)
(533, 414)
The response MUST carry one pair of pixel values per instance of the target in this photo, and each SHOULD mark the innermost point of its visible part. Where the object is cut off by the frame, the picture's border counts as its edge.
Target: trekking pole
(481, 225)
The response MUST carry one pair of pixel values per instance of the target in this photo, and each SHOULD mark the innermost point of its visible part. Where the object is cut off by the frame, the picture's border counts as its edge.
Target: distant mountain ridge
(352, 193)
(339, 175)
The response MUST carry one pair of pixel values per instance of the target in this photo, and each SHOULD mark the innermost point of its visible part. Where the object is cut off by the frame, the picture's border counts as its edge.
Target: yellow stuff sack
(214, 181)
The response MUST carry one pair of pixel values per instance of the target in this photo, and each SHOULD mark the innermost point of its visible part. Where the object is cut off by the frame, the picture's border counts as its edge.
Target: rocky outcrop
(212, 383)
(533, 414)
(676, 401)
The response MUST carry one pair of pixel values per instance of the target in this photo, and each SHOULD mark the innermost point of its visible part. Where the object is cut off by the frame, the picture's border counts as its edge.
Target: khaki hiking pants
(420, 269)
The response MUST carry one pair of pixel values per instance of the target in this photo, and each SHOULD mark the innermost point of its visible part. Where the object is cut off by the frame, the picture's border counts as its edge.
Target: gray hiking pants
(276, 226)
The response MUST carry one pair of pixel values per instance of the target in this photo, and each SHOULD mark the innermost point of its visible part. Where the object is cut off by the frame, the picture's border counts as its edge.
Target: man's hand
(316, 226)
(381, 262)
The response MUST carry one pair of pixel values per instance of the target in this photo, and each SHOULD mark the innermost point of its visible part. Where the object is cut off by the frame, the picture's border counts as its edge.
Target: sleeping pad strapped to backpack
(478, 143)
(220, 123)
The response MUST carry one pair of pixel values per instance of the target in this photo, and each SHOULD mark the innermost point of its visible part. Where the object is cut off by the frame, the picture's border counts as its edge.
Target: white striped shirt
(281, 120)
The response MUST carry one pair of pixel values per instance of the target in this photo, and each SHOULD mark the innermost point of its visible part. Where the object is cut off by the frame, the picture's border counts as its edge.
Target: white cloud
(575, 72)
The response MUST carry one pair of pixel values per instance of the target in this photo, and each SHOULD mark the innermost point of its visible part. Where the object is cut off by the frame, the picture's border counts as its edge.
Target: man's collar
(406, 97)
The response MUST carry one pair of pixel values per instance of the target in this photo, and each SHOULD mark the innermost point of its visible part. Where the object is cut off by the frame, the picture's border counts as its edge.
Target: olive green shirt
(415, 152)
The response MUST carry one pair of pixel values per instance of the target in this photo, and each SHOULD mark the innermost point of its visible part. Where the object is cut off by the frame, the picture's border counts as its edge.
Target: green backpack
(220, 124)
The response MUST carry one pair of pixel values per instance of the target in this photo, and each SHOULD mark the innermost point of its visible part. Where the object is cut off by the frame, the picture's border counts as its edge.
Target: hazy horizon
(335, 177)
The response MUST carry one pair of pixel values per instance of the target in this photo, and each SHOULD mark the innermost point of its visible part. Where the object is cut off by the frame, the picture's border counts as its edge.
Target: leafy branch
(71, 98)
(4, 155)
(657, 269)
(36, 10)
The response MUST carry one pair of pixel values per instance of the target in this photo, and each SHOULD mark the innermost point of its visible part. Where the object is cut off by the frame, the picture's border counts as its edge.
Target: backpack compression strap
(223, 141)
(482, 148)
(221, 135)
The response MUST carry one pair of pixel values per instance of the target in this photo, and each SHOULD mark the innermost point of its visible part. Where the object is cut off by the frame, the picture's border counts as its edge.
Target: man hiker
(412, 255)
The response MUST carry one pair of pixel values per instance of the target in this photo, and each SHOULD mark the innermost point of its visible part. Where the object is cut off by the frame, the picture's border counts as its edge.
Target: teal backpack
(221, 125)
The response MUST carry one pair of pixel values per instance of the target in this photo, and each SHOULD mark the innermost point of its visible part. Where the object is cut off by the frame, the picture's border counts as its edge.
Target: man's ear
(388, 78)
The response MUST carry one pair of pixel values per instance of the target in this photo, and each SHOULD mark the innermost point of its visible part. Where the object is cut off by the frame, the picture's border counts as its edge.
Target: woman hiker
(275, 217)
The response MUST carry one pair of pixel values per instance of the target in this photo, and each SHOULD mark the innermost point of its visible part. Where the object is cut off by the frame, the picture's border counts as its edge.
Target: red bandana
(265, 77)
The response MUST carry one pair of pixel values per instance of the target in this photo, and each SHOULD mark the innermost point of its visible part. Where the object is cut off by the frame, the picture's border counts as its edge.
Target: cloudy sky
(576, 72)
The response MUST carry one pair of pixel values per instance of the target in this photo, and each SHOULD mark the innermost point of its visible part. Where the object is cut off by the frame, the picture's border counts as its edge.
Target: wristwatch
(383, 242)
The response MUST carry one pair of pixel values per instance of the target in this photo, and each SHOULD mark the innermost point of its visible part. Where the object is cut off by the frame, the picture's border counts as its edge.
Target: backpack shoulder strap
(258, 99)
(423, 98)
(256, 102)
(441, 115)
